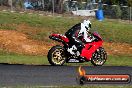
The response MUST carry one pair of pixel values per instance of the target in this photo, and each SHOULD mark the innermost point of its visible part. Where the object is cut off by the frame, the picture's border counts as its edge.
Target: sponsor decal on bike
(73, 60)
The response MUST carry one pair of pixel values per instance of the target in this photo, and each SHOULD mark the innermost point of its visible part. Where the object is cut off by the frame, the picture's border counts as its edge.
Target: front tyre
(56, 55)
(99, 57)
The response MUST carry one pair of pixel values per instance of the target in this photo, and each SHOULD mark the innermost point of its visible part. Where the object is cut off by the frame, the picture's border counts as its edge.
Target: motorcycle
(92, 51)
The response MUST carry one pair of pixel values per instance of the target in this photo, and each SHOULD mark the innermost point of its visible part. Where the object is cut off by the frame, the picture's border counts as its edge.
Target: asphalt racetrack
(20, 75)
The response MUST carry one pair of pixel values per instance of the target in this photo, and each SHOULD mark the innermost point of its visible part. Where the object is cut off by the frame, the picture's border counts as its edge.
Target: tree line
(58, 4)
(43, 4)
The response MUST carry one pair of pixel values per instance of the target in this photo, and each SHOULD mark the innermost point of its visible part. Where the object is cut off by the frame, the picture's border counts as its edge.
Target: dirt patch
(118, 48)
(14, 41)
(17, 42)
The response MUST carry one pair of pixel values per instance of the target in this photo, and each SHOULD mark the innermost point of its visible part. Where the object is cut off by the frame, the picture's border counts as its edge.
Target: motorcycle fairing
(59, 37)
(89, 49)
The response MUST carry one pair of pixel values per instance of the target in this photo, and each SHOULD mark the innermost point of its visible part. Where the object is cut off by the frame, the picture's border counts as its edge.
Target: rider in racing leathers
(76, 34)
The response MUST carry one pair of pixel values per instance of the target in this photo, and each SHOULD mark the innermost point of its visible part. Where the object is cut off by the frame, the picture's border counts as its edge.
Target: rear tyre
(56, 55)
(99, 57)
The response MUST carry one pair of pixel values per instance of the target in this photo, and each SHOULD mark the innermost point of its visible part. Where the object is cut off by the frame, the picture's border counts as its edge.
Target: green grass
(36, 20)
(110, 30)
(12, 58)
(42, 60)
(119, 60)
(115, 31)
(23, 59)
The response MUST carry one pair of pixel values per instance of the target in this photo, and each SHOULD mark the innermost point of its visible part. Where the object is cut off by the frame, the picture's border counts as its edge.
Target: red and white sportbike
(92, 51)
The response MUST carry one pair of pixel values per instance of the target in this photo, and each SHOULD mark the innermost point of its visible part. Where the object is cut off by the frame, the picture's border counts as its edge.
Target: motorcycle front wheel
(56, 55)
(99, 57)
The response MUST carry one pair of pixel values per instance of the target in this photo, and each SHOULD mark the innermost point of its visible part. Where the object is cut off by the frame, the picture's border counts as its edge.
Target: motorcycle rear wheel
(99, 57)
(56, 55)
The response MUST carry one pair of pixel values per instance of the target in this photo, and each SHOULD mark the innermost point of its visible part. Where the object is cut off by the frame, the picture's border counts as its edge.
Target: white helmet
(87, 24)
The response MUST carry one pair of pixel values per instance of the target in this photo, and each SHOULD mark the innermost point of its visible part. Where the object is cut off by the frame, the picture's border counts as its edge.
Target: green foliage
(81, 6)
(113, 11)
(20, 3)
(125, 13)
(117, 11)
(129, 3)
(114, 2)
